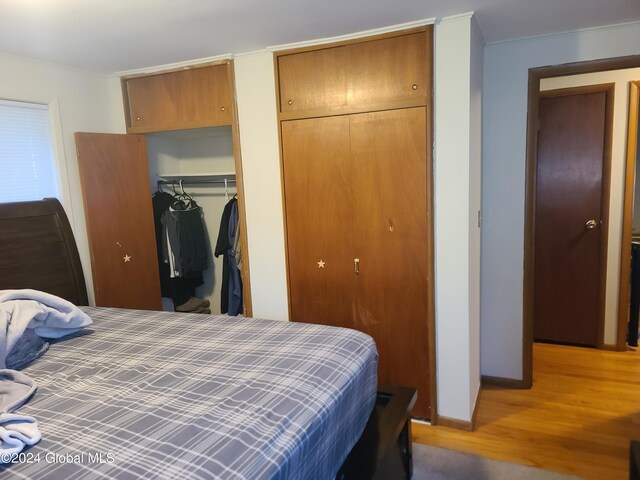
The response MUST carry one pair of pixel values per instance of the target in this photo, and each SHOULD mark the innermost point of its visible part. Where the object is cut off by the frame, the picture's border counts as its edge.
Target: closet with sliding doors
(163, 203)
(356, 142)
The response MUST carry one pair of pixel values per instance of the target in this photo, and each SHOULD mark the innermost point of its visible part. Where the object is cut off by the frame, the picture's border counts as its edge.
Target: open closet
(182, 147)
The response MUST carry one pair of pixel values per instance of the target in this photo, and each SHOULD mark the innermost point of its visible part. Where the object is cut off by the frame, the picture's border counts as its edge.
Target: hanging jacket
(235, 282)
(222, 248)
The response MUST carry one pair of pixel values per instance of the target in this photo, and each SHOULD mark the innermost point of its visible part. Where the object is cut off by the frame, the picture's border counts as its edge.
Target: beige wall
(621, 78)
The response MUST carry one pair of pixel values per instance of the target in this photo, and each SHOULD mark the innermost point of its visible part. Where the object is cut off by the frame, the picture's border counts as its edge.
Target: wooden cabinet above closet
(193, 98)
(354, 76)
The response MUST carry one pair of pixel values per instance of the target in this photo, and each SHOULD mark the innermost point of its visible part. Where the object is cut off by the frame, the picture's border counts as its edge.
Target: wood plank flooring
(578, 418)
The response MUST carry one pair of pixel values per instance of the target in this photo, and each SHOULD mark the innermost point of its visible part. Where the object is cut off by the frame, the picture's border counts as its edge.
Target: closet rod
(193, 181)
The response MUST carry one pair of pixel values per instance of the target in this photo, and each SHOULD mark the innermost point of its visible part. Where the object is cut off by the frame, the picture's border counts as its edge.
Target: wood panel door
(570, 217)
(318, 185)
(115, 184)
(193, 98)
(389, 156)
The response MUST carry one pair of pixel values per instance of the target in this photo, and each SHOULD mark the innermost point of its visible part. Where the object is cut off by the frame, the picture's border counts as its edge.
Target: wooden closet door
(318, 186)
(313, 80)
(192, 98)
(390, 69)
(117, 202)
(389, 158)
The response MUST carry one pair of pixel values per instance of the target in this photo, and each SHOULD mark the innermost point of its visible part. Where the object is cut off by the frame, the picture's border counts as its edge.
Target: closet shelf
(198, 177)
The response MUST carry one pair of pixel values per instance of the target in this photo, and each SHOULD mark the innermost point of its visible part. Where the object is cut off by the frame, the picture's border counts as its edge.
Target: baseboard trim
(504, 382)
(611, 348)
(465, 425)
(474, 415)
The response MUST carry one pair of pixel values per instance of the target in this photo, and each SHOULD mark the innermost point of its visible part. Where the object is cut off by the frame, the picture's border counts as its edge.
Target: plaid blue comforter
(167, 395)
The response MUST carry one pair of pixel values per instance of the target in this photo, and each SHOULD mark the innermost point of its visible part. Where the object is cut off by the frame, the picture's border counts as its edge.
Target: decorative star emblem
(127, 258)
(320, 264)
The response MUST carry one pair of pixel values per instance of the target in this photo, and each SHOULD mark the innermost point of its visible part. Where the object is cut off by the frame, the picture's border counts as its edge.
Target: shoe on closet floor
(206, 311)
(193, 304)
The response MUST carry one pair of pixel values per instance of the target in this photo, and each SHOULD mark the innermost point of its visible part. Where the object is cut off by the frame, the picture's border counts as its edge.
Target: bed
(166, 395)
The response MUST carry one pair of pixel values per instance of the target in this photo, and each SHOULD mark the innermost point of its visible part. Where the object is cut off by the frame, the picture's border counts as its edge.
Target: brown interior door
(318, 185)
(114, 174)
(389, 154)
(568, 219)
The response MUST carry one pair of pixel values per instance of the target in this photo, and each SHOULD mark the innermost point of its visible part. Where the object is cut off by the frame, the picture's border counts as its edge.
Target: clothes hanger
(187, 202)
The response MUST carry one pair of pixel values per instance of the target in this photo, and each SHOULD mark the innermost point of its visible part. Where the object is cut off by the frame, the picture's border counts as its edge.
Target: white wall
(85, 102)
(458, 47)
(503, 176)
(255, 91)
(621, 78)
(475, 197)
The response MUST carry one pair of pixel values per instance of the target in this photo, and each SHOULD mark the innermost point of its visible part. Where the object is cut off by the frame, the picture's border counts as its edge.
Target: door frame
(535, 75)
(627, 213)
(609, 90)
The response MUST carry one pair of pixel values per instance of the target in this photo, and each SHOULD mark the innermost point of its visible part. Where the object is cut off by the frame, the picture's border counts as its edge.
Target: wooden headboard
(38, 251)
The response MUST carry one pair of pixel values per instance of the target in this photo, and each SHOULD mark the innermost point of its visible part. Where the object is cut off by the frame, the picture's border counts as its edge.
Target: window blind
(27, 166)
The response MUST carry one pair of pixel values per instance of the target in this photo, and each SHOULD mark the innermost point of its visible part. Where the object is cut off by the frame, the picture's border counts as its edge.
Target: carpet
(434, 463)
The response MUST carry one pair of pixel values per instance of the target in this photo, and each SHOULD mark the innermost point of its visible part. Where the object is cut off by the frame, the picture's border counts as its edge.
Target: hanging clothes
(161, 201)
(171, 242)
(231, 290)
(235, 280)
(181, 247)
(193, 243)
(222, 248)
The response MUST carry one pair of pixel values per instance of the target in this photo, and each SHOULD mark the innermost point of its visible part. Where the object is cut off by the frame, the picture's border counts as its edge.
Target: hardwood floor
(578, 418)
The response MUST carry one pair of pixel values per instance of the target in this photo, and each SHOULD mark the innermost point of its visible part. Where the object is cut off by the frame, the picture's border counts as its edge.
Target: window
(27, 164)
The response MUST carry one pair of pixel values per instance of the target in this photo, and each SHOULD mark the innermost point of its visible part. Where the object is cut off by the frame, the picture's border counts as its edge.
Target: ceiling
(116, 35)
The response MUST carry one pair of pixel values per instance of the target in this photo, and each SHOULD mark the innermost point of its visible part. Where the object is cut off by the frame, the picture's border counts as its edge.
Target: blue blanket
(48, 316)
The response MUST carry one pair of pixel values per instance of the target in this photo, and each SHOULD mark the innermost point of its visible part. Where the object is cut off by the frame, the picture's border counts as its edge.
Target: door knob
(591, 224)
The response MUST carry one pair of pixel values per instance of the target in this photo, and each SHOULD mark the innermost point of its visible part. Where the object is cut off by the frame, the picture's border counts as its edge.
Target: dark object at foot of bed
(384, 450)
